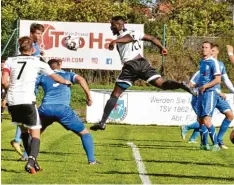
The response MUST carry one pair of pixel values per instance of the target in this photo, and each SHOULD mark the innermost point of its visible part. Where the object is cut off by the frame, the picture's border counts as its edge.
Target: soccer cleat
(192, 141)
(187, 88)
(215, 148)
(37, 167)
(183, 132)
(98, 126)
(94, 162)
(205, 147)
(223, 147)
(30, 168)
(16, 146)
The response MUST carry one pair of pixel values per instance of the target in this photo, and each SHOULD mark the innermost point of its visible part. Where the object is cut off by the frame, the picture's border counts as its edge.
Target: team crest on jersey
(119, 112)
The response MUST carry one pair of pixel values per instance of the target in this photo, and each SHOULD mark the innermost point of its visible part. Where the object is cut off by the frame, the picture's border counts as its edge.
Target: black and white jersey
(128, 51)
(23, 72)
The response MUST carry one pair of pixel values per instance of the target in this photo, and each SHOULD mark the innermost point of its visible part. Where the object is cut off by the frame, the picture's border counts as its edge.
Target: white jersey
(129, 51)
(23, 72)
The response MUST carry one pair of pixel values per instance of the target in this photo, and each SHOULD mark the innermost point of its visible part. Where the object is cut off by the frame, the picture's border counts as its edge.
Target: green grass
(167, 159)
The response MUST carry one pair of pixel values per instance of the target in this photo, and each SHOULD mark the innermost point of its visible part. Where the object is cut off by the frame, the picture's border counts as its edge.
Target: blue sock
(224, 126)
(204, 134)
(25, 155)
(195, 134)
(87, 142)
(213, 135)
(18, 135)
(193, 126)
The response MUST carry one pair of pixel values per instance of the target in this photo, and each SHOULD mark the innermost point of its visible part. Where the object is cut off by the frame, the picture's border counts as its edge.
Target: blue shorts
(207, 103)
(194, 104)
(222, 105)
(63, 114)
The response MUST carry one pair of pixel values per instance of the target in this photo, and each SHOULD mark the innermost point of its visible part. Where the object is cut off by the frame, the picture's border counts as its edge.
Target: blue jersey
(37, 49)
(195, 78)
(56, 93)
(209, 68)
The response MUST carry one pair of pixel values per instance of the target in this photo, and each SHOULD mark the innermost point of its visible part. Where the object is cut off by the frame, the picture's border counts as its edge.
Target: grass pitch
(168, 160)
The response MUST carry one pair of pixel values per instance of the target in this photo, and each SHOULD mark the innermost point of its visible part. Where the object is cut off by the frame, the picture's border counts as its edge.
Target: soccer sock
(204, 134)
(87, 142)
(194, 135)
(213, 135)
(26, 137)
(110, 104)
(194, 125)
(18, 134)
(224, 126)
(35, 146)
(171, 85)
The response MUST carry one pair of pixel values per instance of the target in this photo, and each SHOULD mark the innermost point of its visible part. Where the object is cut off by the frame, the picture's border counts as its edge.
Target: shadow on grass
(11, 171)
(44, 152)
(171, 175)
(58, 153)
(190, 163)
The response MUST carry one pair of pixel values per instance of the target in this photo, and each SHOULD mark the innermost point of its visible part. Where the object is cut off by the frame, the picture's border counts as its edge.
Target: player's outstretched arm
(230, 53)
(85, 87)
(228, 83)
(45, 68)
(125, 39)
(60, 79)
(156, 42)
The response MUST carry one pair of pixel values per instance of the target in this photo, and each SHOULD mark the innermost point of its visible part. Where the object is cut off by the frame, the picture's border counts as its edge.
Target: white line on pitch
(140, 165)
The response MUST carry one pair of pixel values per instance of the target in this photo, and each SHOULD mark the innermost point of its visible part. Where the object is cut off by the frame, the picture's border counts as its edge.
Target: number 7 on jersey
(21, 70)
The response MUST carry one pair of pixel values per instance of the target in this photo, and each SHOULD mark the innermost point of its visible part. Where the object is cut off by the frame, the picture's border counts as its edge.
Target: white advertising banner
(94, 39)
(147, 108)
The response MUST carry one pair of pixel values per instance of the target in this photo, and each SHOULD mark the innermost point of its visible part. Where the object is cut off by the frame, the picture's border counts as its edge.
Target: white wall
(145, 108)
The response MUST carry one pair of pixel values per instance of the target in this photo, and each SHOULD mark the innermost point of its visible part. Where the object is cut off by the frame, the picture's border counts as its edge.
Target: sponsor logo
(119, 112)
(56, 85)
(109, 61)
(53, 38)
(94, 60)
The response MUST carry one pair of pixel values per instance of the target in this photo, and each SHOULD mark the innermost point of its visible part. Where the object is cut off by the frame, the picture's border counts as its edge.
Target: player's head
(117, 24)
(26, 45)
(3, 60)
(55, 64)
(206, 49)
(215, 50)
(36, 31)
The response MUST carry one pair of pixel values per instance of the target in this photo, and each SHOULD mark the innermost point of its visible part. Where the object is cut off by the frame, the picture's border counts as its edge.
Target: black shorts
(25, 114)
(137, 69)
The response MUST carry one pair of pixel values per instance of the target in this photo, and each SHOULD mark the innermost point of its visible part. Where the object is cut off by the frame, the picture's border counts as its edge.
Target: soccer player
(135, 66)
(222, 105)
(55, 106)
(36, 31)
(230, 53)
(23, 71)
(210, 79)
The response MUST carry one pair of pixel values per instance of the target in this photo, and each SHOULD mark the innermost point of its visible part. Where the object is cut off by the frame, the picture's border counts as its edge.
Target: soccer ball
(72, 43)
(232, 137)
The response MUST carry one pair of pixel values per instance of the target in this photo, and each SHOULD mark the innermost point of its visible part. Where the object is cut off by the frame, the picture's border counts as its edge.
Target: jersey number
(21, 70)
(136, 45)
